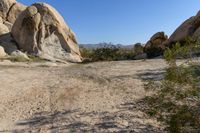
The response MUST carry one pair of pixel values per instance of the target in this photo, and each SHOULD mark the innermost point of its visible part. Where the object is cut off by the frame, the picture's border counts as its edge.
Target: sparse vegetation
(110, 54)
(177, 96)
(22, 59)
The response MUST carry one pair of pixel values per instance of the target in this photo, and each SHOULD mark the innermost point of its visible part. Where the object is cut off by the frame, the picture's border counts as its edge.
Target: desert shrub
(107, 54)
(154, 51)
(176, 100)
(125, 54)
(138, 49)
(86, 53)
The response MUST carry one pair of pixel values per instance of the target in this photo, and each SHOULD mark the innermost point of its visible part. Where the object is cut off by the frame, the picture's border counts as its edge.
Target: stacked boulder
(9, 11)
(38, 30)
(155, 46)
(41, 31)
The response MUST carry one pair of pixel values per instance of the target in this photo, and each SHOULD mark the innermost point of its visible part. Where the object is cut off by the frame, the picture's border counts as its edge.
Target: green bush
(177, 97)
(107, 54)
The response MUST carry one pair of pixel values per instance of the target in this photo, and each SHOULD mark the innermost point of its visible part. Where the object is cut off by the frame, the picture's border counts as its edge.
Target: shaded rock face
(6, 41)
(155, 47)
(41, 31)
(189, 28)
(5, 6)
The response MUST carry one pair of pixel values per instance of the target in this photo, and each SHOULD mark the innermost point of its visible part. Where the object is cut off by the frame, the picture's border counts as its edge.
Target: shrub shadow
(151, 75)
(122, 121)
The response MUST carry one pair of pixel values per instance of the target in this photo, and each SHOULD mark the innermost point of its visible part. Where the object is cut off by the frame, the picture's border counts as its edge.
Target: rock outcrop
(10, 9)
(155, 47)
(40, 30)
(6, 41)
(15, 11)
(190, 28)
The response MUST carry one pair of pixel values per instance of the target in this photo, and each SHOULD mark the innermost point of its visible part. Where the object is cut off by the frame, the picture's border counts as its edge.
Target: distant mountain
(106, 45)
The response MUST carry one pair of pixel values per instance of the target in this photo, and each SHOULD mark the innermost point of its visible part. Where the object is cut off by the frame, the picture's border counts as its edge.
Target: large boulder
(40, 30)
(9, 11)
(189, 28)
(5, 6)
(15, 11)
(6, 40)
(155, 47)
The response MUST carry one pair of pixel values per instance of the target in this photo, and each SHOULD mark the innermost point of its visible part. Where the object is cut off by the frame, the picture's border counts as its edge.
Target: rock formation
(15, 11)
(40, 30)
(155, 47)
(190, 28)
(9, 11)
(2, 52)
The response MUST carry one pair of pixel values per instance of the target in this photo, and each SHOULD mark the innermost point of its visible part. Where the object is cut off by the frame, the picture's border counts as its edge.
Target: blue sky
(122, 21)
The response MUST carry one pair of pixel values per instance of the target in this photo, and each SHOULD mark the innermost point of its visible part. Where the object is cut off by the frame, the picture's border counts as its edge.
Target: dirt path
(96, 97)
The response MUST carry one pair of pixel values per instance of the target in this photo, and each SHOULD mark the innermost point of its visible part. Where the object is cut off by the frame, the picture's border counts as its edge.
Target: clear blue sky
(122, 21)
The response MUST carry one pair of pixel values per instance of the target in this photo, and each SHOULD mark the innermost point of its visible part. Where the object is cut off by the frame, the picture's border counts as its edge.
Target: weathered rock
(189, 28)
(2, 52)
(6, 41)
(5, 6)
(1, 20)
(8, 24)
(15, 11)
(155, 47)
(41, 31)
(10, 10)
(3, 29)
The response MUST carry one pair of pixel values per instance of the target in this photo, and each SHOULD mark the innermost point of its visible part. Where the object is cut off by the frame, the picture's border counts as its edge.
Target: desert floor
(95, 97)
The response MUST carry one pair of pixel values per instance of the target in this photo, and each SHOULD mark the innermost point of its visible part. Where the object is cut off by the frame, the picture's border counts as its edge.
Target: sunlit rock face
(189, 28)
(10, 10)
(41, 30)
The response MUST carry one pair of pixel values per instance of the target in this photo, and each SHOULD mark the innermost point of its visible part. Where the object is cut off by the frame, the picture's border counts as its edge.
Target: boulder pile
(38, 30)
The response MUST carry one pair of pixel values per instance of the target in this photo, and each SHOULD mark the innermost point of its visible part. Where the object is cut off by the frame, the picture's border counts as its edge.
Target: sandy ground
(97, 97)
